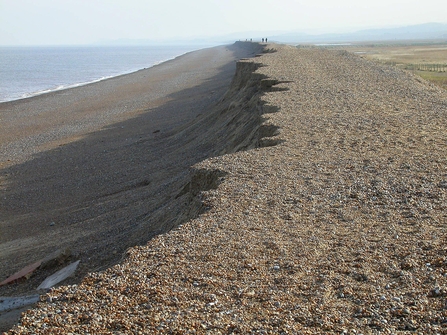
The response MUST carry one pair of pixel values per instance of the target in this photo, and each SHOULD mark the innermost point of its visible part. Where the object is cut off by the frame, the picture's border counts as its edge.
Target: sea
(30, 71)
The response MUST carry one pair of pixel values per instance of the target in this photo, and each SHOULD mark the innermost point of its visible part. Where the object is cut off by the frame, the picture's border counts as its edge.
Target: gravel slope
(95, 170)
(334, 220)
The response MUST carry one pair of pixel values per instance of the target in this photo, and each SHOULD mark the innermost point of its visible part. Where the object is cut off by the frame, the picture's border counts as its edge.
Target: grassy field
(428, 60)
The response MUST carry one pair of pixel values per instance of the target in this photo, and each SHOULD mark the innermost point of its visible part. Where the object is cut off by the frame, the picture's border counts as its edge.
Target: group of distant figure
(263, 40)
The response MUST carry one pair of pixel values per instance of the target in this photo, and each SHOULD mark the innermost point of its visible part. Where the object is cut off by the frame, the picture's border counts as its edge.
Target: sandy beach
(318, 207)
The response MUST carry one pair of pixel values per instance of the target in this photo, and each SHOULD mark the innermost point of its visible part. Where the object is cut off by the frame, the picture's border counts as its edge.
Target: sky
(62, 22)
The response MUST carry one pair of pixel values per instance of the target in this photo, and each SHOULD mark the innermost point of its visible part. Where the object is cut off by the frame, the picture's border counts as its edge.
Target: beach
(318, 207)
(92, 169)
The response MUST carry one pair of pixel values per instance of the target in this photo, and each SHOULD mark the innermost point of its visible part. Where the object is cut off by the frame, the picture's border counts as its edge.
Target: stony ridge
(337, 226)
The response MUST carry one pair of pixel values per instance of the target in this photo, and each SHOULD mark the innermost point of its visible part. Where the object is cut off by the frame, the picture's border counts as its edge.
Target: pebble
(370, 134)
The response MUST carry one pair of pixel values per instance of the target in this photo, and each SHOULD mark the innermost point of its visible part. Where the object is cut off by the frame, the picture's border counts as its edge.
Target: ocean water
(29, 71)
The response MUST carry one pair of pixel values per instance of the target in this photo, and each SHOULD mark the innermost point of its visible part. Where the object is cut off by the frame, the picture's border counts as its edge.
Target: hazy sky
(30, 22)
